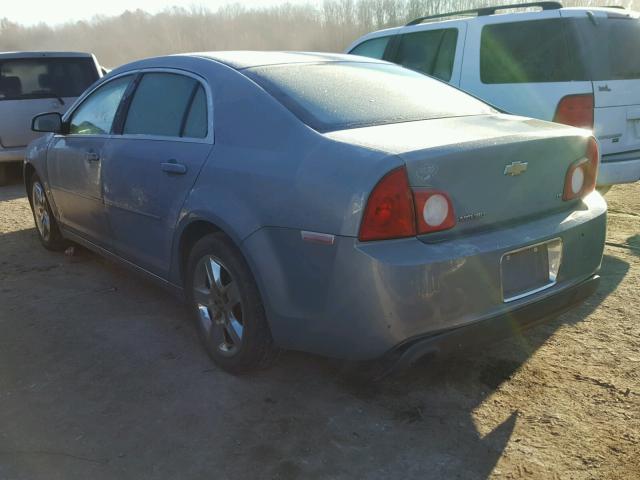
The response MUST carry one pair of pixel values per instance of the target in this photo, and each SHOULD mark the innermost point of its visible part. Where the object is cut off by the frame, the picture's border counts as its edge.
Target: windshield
(340, 95)
(27, 78)
(612, 48)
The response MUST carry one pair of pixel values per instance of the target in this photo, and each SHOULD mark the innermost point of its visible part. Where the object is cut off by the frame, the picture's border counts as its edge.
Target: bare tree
(332, 26)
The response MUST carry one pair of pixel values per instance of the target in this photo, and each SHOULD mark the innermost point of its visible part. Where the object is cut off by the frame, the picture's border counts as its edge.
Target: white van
(579, 66)
(33, 83)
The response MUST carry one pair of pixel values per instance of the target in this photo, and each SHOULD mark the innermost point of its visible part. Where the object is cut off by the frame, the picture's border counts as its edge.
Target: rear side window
(196, 121)
(28, 78)
(528, 52)
(162, 106)
(432, 52)
(96, 113)
(373, 48)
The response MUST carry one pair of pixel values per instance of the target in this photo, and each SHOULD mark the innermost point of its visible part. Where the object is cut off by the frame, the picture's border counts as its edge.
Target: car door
(153, 163)
(524, 64)
(75, 162)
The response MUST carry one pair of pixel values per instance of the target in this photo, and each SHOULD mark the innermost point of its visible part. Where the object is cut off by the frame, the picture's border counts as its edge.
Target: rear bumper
(12, 154)
(619, 168)
(492, 329)
(360, 301)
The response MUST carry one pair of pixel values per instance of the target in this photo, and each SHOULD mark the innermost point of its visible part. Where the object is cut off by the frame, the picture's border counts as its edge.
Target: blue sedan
(331, 204)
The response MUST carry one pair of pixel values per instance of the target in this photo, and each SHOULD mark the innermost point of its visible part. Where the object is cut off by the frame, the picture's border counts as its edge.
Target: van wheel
(46, 223)
(226, 305)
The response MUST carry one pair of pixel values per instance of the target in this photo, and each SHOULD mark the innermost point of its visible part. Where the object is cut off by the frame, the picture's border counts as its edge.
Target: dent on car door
(75, 162)
(154, 162)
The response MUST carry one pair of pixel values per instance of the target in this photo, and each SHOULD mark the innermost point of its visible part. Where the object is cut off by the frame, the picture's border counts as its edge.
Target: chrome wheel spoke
(214, 275)
(234, 330)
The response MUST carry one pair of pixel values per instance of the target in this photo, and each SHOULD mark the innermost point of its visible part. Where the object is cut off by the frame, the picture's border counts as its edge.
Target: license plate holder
(530, 269)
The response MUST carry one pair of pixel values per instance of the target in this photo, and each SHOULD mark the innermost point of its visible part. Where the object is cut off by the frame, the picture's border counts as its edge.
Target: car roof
(12, 55)
(247, 59)
(514, 16)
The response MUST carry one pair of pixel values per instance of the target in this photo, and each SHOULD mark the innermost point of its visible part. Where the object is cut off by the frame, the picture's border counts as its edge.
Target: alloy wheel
(41, 211)
(219, 306)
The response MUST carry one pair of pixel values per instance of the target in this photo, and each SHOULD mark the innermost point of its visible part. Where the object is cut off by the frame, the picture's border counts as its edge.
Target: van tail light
(434, 211)
(395, 211)
(389, 212)
(582, 174)
(576, 110)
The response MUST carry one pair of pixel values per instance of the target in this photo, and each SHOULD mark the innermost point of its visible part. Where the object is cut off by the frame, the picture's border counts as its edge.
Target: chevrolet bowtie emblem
(515, 169)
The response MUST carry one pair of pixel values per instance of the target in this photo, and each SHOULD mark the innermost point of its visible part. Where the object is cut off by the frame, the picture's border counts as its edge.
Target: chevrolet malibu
(332, 204)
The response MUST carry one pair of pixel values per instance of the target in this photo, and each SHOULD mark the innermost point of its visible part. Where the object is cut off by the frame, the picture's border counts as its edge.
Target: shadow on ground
(101, 376)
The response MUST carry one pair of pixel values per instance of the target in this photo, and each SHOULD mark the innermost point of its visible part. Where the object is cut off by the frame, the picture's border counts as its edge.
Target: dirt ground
(102, 377)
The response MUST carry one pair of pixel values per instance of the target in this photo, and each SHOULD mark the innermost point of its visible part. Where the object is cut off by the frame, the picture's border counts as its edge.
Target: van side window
(160, 105)
(373, 48)
(528, 52)
(430, 51)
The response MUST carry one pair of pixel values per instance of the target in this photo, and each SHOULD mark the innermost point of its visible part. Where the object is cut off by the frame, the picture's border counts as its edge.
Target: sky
(30, 12)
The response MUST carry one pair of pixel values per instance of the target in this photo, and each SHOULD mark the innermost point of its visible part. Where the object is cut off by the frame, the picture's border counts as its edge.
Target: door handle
(174, 167)
(92, 157)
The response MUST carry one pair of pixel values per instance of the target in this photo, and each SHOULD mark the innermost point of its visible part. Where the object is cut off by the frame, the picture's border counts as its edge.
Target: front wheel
(46, 224)
(227, 307)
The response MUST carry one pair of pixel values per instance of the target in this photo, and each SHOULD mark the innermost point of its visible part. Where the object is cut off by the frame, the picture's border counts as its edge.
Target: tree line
(328, 26)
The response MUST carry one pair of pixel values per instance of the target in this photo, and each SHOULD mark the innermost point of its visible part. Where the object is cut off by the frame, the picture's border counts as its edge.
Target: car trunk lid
(497, 169)
(16, 116)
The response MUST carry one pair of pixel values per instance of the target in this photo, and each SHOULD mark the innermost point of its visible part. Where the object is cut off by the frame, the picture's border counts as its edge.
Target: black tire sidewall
(256, 341)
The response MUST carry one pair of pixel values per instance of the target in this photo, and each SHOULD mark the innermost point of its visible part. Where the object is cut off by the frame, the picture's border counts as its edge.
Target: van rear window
(611, 47)
(529, 52)
(50, 77)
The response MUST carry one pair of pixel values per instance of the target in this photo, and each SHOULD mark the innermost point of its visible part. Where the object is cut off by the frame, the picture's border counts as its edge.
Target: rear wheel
(226, 306)
(46, 224)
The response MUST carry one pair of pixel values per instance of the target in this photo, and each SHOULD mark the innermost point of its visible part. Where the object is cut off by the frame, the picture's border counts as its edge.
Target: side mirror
(47, 122)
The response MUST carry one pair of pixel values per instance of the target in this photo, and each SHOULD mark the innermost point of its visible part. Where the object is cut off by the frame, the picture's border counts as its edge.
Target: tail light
(434, 211)
(394, 211)
(575, 110)
(389, 212)
(582, 174)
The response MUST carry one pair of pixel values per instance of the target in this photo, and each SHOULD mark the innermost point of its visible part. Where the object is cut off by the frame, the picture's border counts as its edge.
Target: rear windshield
(28, 78)
(612, 47)
(342, 95)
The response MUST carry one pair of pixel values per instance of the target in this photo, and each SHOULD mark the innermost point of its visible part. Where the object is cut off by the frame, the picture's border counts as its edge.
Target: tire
(46, 223)
(230, 319)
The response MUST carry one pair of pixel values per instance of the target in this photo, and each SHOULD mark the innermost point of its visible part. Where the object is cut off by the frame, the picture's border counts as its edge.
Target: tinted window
(196, 122)
(45, 77)
(431, 52)
(160, 105)
(610, 48)
(339, 95)
(527, 52)
(95, 115)
(372, 48)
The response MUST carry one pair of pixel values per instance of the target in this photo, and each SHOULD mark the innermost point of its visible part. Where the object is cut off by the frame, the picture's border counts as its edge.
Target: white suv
(579, 66)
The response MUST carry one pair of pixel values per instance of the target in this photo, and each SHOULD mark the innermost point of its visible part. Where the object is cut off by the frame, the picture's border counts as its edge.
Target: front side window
(373, 48)
(167, 105)
(48, 77)
(430, 51)
(96, 114)
(528, 52)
